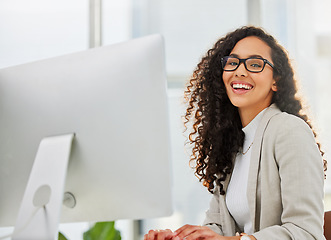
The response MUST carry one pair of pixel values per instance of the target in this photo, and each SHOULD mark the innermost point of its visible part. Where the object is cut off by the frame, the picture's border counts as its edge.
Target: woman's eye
(256, 65)
(233, 63)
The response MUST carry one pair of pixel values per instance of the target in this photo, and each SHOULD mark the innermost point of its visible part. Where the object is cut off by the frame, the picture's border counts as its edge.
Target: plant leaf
(102, 231)
(62, 237)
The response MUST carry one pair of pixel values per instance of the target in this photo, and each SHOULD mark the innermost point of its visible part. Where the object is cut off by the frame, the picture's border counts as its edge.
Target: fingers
(186, 230)
(150, 235)
(191, 232)
(159, 235)
(164, 234)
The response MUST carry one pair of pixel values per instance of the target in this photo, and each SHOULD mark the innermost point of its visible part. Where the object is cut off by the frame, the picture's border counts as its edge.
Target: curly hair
(217, 135)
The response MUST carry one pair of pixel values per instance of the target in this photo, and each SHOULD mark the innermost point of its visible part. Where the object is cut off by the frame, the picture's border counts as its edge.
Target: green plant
(62, 237)
(102, 231)
(99, 231)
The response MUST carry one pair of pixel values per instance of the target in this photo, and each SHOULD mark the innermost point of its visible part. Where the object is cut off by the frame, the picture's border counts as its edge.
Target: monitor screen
(113, 99)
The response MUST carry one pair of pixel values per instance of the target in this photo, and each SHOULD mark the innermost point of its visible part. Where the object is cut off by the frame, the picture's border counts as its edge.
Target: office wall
(34, 29)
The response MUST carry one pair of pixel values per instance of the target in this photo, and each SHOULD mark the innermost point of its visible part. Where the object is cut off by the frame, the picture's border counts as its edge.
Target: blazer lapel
(255, 160)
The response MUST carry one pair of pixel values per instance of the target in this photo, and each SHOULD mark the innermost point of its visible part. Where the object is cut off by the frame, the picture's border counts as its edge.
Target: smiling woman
(249, 88)
(253, 147)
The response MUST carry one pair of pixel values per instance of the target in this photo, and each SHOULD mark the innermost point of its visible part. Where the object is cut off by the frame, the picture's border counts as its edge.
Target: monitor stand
(39, 213)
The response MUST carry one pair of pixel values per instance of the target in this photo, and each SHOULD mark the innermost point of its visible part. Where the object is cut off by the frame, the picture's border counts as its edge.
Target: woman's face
(246, 90)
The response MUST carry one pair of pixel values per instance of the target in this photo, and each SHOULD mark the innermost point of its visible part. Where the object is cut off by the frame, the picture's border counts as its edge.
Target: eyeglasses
(252, 64)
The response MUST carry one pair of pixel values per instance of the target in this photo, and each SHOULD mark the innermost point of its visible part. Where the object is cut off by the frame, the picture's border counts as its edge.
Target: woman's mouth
(241, 88)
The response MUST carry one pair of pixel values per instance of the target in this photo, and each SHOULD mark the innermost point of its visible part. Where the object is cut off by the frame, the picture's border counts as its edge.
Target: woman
(253, 147)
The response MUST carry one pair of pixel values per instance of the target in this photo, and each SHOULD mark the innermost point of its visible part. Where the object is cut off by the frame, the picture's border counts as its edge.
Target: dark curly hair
(217, 134)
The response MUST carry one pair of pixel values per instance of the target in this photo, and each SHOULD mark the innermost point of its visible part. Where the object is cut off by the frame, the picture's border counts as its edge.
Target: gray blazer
(285, 185)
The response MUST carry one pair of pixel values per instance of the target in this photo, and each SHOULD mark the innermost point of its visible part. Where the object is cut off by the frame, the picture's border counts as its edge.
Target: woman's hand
(160, 235)
(188, 232)
(191, 232)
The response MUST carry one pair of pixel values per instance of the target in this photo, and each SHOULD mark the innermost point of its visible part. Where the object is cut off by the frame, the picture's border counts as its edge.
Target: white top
(236, 195)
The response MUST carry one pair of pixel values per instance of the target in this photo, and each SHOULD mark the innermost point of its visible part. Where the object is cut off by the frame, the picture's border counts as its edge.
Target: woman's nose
(241, 71)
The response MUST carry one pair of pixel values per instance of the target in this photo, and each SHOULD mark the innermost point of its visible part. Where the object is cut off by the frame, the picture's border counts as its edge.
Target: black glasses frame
(243, 60)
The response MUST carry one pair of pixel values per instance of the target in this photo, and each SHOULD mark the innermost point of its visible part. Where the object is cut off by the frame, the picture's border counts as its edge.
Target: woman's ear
(274, 86)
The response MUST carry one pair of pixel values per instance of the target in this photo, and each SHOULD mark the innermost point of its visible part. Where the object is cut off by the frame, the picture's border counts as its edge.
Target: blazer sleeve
(301, 183)
(212, 219)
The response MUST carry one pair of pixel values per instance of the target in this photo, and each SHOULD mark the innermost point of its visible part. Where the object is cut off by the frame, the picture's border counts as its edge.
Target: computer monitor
(113, 99)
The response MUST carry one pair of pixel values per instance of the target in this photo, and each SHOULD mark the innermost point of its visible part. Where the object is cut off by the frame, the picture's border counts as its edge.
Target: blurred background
(32, 30)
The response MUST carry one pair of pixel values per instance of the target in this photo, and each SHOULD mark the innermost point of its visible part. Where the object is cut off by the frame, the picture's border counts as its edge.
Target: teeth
(240, 85)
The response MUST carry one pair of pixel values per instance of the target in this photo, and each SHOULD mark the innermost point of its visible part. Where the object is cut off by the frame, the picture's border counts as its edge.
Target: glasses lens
(230, 63)
(254, 64)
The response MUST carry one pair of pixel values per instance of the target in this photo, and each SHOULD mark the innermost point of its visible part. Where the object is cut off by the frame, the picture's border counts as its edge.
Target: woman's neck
(247, 115)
